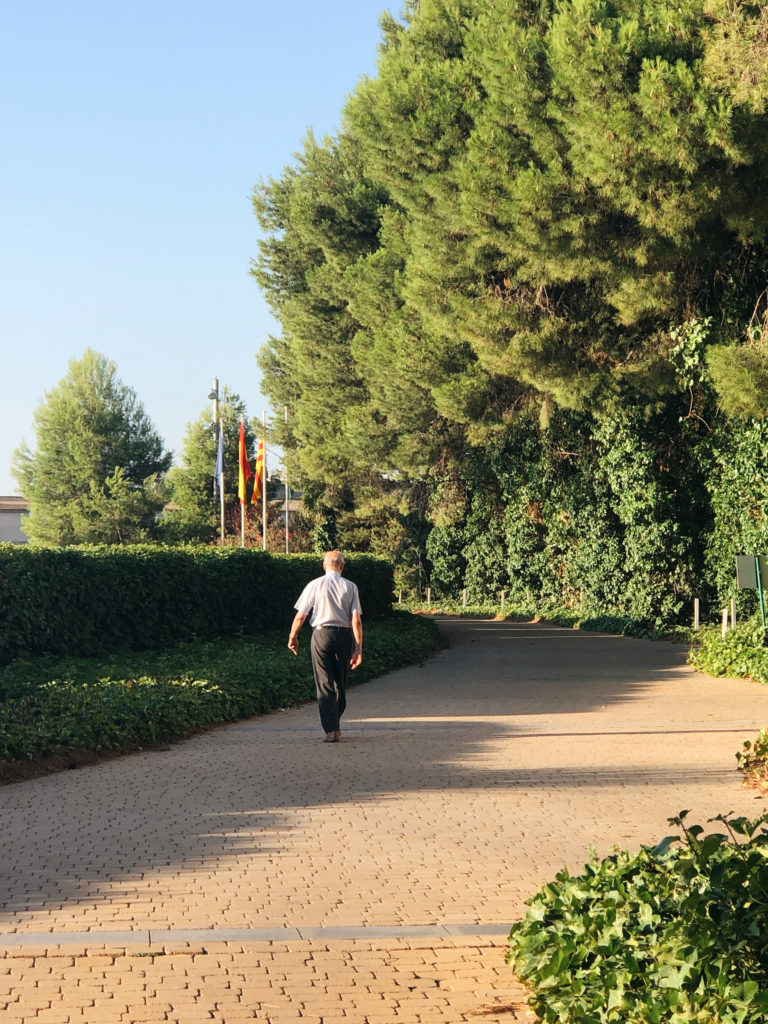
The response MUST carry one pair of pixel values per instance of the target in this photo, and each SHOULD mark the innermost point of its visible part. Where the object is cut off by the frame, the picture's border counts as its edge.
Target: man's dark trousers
(331, 650)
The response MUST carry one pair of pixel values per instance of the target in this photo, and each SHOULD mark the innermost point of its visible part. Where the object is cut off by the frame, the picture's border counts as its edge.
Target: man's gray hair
(334, 558)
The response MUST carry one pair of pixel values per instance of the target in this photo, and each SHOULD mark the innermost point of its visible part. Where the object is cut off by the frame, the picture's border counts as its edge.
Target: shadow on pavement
(440, 728)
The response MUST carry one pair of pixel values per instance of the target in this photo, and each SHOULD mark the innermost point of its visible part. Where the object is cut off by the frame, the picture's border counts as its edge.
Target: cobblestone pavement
(255, 873)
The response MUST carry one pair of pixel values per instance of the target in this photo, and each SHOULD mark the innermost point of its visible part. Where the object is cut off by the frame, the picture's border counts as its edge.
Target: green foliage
(740, 374)
(124, 702)
(740, 653)
(531, 272)
(96, 473)
(86, 601)
(671, 934)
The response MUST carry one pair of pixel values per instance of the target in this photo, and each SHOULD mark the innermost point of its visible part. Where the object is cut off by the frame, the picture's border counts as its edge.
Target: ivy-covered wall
(632, 515)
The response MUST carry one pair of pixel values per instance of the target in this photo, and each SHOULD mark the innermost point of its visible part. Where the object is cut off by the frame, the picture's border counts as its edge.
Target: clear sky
(131, 136)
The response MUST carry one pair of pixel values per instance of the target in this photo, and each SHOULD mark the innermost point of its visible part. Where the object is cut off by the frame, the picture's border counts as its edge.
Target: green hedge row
(90, 600)
(134, 700)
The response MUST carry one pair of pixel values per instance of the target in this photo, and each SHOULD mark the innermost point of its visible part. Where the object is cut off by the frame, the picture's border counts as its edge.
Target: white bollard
(464, 598)
(429, 597)
(733, 613)
(695, 613)
(725, 621)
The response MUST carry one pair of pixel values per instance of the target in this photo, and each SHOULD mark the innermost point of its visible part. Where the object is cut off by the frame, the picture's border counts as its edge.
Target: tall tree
(96, 471)
(562, 202)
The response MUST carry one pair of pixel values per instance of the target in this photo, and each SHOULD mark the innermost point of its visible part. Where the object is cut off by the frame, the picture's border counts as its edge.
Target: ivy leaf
(712, 843)
(662, 849)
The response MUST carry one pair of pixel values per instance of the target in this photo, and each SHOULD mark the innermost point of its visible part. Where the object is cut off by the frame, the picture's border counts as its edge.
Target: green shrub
(740, 653)
(86, 601)
(671, 934)
(128, 701)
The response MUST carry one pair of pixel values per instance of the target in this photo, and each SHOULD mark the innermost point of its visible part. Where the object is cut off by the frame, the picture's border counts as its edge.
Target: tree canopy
(97, 471)
(533, 209)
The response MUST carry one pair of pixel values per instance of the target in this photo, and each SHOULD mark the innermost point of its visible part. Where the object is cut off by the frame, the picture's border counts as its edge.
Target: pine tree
(96, 473)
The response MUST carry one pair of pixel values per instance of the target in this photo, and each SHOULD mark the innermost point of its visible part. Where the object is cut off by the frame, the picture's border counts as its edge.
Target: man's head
(334, 560)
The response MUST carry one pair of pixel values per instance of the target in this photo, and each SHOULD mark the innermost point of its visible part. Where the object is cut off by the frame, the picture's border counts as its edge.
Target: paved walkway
(255, 873)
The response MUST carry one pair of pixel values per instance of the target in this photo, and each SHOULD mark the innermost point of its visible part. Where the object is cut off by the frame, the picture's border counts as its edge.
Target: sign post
(751, 570)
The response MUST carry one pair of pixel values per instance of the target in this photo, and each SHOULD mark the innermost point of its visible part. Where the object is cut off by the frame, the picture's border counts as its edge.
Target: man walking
(337, 638)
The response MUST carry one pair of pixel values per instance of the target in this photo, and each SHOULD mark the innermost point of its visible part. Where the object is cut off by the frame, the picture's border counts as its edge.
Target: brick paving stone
(459, 788)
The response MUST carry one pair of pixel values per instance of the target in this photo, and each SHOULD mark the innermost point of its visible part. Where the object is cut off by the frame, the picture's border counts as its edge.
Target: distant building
(12, 512)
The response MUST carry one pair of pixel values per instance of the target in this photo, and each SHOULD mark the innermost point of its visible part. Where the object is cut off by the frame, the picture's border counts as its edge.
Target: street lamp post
(213, 394)
(287, 491)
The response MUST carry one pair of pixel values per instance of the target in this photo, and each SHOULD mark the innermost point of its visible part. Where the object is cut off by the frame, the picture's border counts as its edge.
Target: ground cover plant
(673, 934)
(98, 706)
(570, 618)
(740, 653)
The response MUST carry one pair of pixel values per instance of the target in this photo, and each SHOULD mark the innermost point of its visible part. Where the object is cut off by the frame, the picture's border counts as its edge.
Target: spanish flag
(245, 467)
(258, 481)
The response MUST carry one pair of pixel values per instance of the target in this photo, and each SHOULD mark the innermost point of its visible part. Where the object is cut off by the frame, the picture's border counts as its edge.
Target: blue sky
(132, 136)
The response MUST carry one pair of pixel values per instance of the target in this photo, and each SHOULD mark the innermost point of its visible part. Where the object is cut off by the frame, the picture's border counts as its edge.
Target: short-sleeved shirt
(331, 599)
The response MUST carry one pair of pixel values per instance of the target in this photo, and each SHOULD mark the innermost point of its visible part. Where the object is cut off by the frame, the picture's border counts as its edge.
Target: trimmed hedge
(85, 601)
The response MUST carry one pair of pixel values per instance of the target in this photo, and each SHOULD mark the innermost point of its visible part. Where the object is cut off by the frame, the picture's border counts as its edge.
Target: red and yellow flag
(245, 467)
(258, 481)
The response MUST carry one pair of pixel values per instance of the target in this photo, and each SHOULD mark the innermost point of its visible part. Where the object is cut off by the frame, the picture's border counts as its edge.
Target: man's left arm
(293, 639)
(357, 630)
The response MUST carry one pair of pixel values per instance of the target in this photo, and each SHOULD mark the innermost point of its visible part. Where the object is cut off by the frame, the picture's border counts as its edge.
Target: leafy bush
(671, 934)
(753, 761)
(125, 702)
(740, 653)
(85, 601)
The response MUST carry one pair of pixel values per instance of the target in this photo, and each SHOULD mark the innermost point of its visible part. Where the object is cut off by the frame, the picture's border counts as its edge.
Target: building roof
(13, 503)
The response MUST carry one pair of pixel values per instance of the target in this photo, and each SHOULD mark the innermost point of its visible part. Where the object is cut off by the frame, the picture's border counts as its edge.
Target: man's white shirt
(331, 599)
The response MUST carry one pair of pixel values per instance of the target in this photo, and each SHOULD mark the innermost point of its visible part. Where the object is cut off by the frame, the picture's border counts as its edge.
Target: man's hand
(293, 636)
(357, 656)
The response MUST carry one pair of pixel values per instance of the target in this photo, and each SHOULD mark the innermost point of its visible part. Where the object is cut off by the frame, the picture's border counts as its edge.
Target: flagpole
(264, 485)
(221, 479)
(219, 474)
(242, 505)
(285, 463)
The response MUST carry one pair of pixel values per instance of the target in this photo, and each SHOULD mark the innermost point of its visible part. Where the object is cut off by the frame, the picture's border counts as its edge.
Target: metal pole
(733, 613)
(214, 396)
(760, 589)
(221, 483)
(264, 484)
(287, 492)
(724, 628)
(242, 500)
(695, 613)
